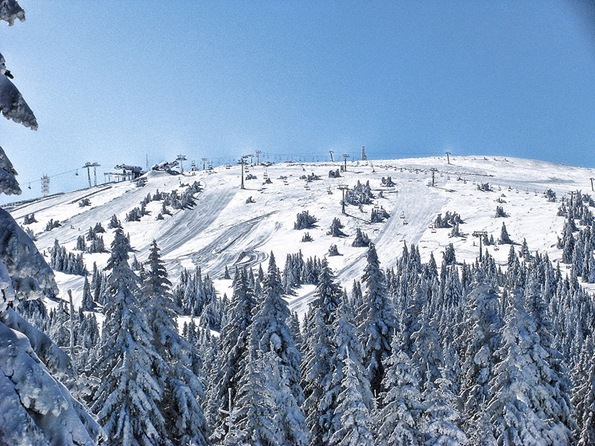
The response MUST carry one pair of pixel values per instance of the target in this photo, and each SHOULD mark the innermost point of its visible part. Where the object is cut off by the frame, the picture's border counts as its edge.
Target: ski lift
(29, 186)
(402, 215)
(405, 222)
(76, 172)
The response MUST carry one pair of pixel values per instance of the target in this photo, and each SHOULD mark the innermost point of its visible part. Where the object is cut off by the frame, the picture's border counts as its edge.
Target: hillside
(225, 228)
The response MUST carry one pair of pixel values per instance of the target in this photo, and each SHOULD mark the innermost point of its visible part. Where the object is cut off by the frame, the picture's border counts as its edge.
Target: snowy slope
(224, 230)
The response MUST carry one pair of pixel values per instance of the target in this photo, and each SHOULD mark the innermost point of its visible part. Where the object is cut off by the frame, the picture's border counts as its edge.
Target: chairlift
(405, 222)
(402, 215)
(29, 186)
(76, 172)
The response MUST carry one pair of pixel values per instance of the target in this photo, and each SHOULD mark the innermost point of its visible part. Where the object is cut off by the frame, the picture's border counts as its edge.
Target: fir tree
(270, 331)
(318, 351)
(401, 401)
(378, 321)
(355, 420)
(182, 390)
(127, 400)
(346, 344)
(441, 418)
(479, 341)
(525, 407)
(234, 348)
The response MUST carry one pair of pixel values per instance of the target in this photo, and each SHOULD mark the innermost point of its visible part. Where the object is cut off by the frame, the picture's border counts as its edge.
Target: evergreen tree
(87, 303)
(441, 419)
(345, 344)
(355, 420)
(378, 321)
(328, 293)
(34, 407)
(401, 401)
(479, 341)
(182, 390)
(504, 237)
(252, 420)
(586, 407)
(317, 367)
(525, 407)
(128, 398)
(270, 331)
(234, 349)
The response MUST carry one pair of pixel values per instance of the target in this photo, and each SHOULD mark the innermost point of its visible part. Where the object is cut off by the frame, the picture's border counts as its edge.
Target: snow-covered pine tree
(127, 402)
(328, 293)
(584, 396)
(441, 419)
(378, 321)
(182, 390)
(318, 350)
(336, 228)
(525, 406)
(480, 338)
(269, 328)
(316, 372)
(401, 400)
(356, 426)
(345, 343)
(87, 303)
(232, 359)
(504, 237)
(251, 420)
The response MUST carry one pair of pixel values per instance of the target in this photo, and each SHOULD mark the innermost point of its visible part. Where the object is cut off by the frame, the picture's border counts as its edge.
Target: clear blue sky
(114, 81)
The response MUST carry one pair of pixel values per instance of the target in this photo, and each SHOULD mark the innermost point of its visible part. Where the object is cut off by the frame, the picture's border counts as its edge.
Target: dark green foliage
(387, 182)
(66, 262)
(114, 223)
(307, 237)
(361, 239)
(359, 195)
(500, 213)
(504, 237)
(448, 221)
(335, 229)
(378, 215)
(29, 218)
(305, 221)
(52, 224)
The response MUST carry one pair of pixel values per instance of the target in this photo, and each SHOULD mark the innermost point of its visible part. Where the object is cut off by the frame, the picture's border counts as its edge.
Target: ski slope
(225, 230)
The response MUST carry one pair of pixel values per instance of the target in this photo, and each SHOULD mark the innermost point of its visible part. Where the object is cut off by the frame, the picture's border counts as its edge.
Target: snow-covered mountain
(228, 226)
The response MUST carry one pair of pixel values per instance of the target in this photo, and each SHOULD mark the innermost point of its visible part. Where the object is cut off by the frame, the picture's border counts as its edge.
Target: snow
(224, 230)
(40, 407)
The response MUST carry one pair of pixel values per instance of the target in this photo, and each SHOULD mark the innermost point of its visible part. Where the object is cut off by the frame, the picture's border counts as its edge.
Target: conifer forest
(396, 302)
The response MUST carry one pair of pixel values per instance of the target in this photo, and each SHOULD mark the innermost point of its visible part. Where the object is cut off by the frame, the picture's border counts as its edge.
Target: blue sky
(116, 81)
